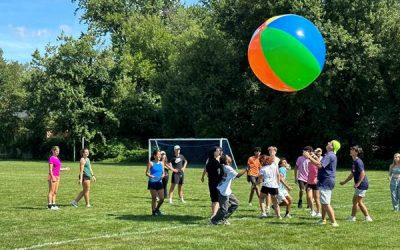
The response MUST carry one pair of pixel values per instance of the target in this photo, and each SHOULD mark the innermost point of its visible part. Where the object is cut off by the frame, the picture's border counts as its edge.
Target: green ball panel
(291, 61)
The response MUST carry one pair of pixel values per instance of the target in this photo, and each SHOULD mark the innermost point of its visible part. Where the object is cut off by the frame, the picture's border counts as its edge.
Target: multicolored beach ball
(287, 53)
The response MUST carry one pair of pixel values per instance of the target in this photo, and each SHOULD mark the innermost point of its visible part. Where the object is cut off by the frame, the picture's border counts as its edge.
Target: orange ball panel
(260, 66)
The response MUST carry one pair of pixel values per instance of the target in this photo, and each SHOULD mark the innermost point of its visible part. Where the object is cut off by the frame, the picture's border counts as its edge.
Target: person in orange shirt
(253, 169)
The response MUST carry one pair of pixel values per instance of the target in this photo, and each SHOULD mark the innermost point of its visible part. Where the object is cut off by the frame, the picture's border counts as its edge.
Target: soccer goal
(195, 150)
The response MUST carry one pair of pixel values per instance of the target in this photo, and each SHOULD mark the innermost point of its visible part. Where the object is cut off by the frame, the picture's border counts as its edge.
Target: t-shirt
(224, 187)
(302, 168)
(327, 172)
(178, 162)
(254, 166)
(214, 171)
(156, 170)
(357, 168)
(269, 173)
(312, 173)
(283, 173)
(56, 165)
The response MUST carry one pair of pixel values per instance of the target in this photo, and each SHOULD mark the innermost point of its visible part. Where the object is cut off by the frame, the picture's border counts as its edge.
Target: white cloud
(65, 28)
(23, 32)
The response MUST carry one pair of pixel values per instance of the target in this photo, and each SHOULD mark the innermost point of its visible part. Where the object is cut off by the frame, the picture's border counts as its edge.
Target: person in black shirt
(214, 172)
(179, 163)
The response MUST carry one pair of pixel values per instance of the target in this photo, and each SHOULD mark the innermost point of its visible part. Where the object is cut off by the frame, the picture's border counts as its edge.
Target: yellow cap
(336, 145)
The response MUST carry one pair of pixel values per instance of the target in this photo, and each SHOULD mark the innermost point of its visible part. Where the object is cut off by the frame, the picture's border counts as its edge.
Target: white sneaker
(74, 203)
(170, 201)
(250, 205)
(335, 224)
(351, 218)
(226, 223)
(318, 215)
(368, 219)
(279, 217)
(88, 205)
(313, 213)
(263, 215)
(288, 216)
(54, 208)
(183, 201)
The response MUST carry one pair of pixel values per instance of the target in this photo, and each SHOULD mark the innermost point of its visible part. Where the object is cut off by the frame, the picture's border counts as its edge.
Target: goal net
(195, 150)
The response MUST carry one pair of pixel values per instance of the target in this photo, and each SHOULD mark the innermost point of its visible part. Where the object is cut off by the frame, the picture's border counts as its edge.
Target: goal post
(195, 150)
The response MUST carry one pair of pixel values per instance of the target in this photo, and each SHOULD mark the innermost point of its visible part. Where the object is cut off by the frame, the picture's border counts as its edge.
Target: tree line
(162, 69)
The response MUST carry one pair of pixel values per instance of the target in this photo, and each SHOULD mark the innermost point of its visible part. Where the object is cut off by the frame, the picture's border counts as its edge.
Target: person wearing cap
(178, 162)
(326, 179)
(253, 169)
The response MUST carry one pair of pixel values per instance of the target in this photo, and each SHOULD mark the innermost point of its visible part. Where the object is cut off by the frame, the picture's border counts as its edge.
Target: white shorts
(282, 195)
(325, 196)
(359, 192)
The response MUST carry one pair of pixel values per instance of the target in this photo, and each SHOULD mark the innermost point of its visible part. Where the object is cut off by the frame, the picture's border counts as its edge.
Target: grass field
(120, 216)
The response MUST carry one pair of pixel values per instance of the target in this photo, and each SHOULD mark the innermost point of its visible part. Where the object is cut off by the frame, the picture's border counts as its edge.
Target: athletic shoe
(183, 201)
(74, 203)
(313, 213)
(335, 224)
(263, 215)
(226, 222)
(321, 222)
(88, 206)
(170, 201)
(288, 216)
(351, 218)
(319, 215)
(300, 204)
(211, 223)
(279, 217)
(368, 219)
(54, 207)
(250, 205)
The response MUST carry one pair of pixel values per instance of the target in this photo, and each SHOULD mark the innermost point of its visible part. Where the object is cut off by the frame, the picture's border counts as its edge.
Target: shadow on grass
(184, 219)
(32, 208)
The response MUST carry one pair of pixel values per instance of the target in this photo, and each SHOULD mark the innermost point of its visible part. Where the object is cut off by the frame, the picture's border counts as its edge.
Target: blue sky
(26, 25)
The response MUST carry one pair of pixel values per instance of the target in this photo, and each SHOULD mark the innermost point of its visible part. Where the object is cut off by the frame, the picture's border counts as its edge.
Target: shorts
(155, 185)
(178, 178)
(57, 178)
(213, 192)
(268, 190)
(253, 180)
(312, 187)
(85, 177)
(359, 192)
(302, 184)
(282, 195)
(325, 196)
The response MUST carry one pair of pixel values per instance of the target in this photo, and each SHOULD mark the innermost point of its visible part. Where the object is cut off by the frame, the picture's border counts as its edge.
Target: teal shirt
(86, 168)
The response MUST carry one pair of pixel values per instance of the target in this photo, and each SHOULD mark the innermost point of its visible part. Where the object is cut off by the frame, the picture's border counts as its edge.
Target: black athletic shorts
(155, 185)
(212, 187)
(177, 178)
(253, 180)
(312, 186)
(302, 184)
(267, 190)
(85, 177)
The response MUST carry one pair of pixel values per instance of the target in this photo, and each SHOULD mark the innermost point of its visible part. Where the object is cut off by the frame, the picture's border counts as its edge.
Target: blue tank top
(156, 170)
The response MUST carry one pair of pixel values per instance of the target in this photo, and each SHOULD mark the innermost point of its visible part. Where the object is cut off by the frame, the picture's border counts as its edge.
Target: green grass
(120, 216)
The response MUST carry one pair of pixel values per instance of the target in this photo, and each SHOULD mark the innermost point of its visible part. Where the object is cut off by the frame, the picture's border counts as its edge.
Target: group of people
(85, 176)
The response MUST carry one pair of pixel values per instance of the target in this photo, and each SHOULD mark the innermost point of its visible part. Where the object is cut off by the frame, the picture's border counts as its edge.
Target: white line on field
(105, 236)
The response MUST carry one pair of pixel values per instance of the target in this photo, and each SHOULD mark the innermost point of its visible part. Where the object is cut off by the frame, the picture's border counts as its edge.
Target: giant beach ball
(287, 53)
